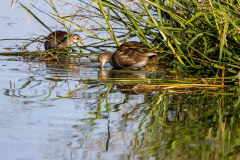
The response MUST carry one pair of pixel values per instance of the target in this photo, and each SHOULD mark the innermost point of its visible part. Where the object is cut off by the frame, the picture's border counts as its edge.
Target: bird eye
(78, 38)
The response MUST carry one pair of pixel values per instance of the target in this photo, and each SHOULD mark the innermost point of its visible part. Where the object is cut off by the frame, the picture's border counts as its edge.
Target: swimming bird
(129, 55)
(60, 39)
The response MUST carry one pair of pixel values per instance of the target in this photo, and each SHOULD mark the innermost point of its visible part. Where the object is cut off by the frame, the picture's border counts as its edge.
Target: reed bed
(197, 36)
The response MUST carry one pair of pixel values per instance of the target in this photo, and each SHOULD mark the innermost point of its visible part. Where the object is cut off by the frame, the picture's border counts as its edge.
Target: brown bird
(60, 39)
(128, 55)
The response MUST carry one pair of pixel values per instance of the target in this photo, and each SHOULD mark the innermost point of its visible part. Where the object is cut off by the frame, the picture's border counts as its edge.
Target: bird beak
(82, 43)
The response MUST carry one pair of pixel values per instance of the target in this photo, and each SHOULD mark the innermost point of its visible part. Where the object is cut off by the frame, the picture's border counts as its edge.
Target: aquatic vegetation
(194, 35)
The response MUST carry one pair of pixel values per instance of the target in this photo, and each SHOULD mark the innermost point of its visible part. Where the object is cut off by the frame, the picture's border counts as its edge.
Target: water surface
(56, 110)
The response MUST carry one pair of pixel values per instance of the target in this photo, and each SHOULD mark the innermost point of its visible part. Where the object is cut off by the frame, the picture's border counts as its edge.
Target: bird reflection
(115, 73)
(129, 88)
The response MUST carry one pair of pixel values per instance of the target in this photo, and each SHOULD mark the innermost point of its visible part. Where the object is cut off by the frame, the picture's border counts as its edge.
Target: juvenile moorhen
(60, 39)
(128, 55)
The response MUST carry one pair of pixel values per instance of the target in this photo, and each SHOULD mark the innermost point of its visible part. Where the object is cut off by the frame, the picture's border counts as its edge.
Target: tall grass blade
(112, 34)
(54, 8)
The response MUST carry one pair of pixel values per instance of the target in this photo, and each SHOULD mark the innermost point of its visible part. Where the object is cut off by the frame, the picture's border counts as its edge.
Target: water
(70, 109)
(50, 110)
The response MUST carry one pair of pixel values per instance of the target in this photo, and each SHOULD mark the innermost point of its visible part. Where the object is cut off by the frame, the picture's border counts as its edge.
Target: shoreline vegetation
(197, 37)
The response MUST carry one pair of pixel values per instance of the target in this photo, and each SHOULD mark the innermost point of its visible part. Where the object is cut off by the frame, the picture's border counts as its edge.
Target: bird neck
(110, 59)
(113, 62)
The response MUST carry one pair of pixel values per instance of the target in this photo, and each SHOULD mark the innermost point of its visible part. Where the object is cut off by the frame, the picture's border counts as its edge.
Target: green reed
(194, 35)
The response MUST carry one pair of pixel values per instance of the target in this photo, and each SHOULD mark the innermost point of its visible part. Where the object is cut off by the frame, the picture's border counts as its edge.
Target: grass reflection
(169, 125)
(179, 127)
